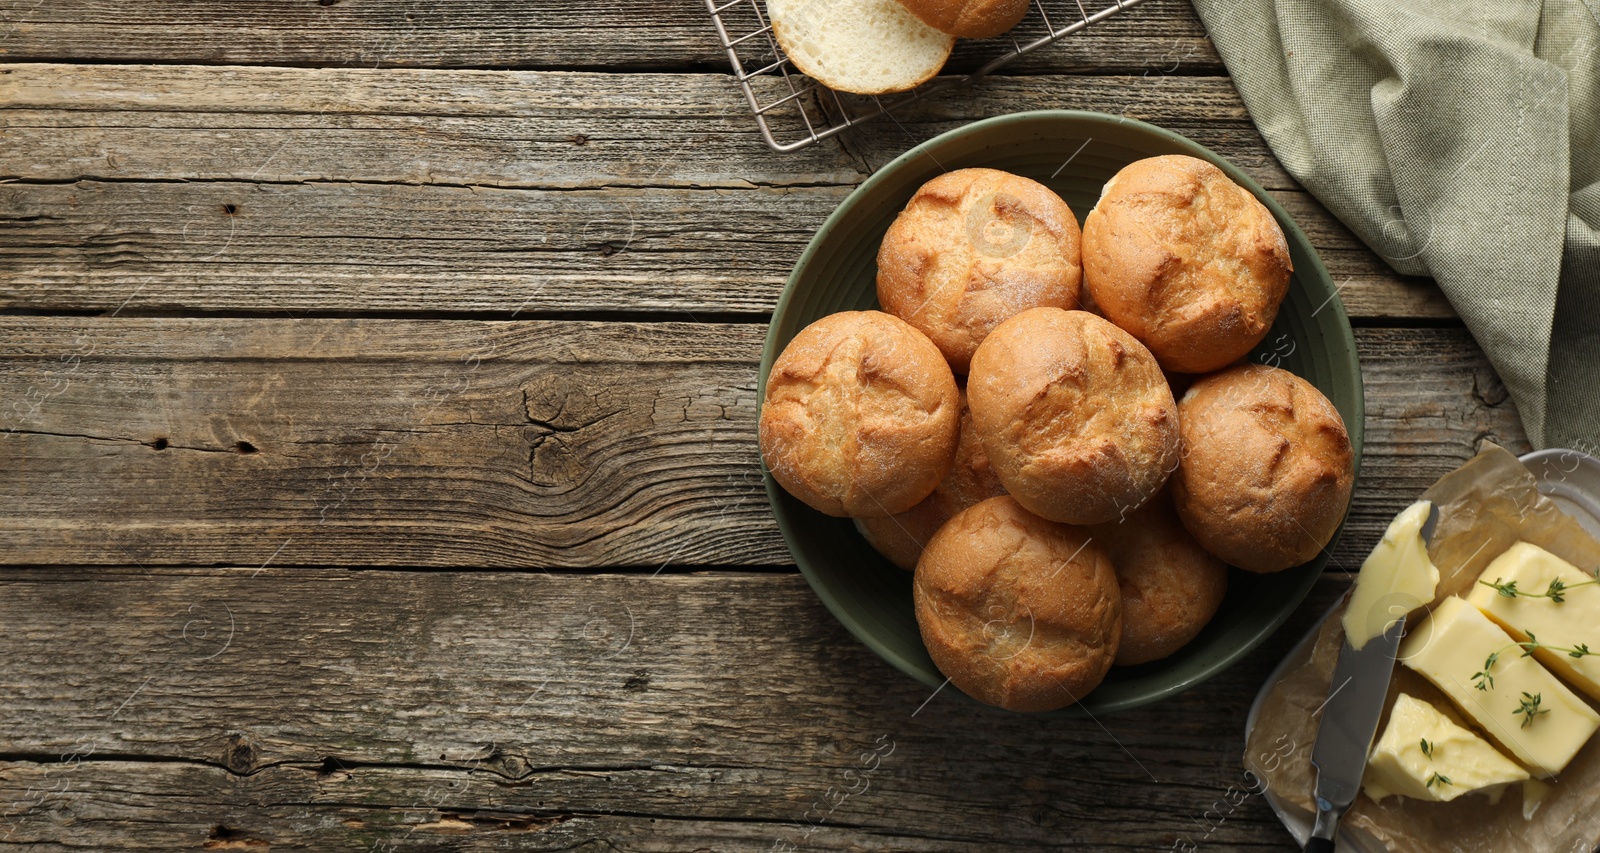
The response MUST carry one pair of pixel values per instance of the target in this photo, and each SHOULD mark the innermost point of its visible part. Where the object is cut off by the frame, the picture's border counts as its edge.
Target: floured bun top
(1187, 260)
(1267, 467)
(969, 19)
(1018, 611)
(973, 248)
(861, 415)
(1074, 414)
(1171, 587)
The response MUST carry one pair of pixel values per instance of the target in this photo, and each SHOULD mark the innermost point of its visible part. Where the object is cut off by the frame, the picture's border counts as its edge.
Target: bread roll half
(869, 47)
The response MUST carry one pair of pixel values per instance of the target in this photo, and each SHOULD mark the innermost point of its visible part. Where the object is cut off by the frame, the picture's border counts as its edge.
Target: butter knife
(1350, 719)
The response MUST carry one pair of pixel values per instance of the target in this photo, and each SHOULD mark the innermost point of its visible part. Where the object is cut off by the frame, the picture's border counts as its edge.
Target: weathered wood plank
(632, 34)
(339, 710)
(379, 248)
(493, 444)
(401, 187)
(512, 128)
(480, 128)
(551, 443)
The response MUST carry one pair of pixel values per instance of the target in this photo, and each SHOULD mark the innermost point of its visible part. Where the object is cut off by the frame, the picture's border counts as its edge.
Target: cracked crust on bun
(861, 415)
(1018, 611)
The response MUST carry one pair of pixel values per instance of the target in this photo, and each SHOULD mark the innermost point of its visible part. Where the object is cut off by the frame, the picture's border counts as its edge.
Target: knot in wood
(241, 753)
(558, 407)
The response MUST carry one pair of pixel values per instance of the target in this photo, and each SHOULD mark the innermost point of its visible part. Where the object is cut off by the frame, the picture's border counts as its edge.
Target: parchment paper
(1485, 506)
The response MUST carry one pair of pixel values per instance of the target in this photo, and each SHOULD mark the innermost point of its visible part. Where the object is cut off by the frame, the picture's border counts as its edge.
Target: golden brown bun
(1074, 414)
(972, 248)
(1267, 467)
(1018, 611)
(900, 537)
(860, 416)
(1185, 259)
(1171, 587)
(969, 19)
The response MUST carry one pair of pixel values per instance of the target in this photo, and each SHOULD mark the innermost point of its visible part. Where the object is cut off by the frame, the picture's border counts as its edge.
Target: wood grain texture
(514, 128)
(287, 249)
(548, 443)
(479, 128)
(626, 35)
(525, 444)
(332, 709)
(270, 189)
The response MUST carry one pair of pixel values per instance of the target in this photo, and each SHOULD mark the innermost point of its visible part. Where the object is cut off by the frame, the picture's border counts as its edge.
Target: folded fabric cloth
(1459, 139)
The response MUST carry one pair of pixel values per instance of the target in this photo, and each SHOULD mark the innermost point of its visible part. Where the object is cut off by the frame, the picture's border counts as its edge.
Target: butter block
(1424, 755)
(1573, 620)
(1396, 578)
(1453, 645)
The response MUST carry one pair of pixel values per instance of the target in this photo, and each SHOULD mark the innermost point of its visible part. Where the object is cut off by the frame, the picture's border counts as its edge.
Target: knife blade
(1350, 719)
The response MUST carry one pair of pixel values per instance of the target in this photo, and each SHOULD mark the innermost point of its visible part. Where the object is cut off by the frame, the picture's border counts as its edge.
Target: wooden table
(379, 453)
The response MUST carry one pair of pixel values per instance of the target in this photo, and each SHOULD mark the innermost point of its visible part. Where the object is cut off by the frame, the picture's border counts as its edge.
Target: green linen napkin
(1459, 139)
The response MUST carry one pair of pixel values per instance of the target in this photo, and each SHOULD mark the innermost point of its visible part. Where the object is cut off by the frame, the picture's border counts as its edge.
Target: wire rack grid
(777, 92)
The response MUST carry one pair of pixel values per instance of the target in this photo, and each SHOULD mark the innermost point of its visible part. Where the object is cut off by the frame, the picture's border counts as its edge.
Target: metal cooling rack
(777, 92)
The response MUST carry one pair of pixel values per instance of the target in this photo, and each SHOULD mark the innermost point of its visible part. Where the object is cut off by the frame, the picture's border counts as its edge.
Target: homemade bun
(969, 19)
(900, 537)
(1186, 260)
(972, 248)
(1171, 587)
(1018, 611)
(870, 47)
(1267, 467)
(860, 416)
(1074, 415)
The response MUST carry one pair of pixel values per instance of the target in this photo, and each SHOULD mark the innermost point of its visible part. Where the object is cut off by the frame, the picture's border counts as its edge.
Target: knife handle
(1326, 827)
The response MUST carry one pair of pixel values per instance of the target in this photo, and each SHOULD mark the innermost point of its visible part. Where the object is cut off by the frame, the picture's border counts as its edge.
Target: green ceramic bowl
(1073, 153)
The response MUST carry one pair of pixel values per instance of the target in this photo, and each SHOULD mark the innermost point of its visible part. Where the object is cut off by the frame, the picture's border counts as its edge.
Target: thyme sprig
(1529, 709)
(1484, 678)
(1556, 591)
(1437, 778)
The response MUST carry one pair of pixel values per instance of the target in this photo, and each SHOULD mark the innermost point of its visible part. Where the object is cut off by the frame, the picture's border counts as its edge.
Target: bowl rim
(1293, 234)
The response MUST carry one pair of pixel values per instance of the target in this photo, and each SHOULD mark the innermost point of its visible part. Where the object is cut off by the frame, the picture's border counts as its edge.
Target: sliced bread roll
(869, 47)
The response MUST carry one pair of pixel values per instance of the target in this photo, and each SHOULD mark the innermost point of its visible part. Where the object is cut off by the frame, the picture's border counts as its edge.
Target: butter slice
(1396, 578)
(1453, 644)
(1461, 762)
(1574, 620)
